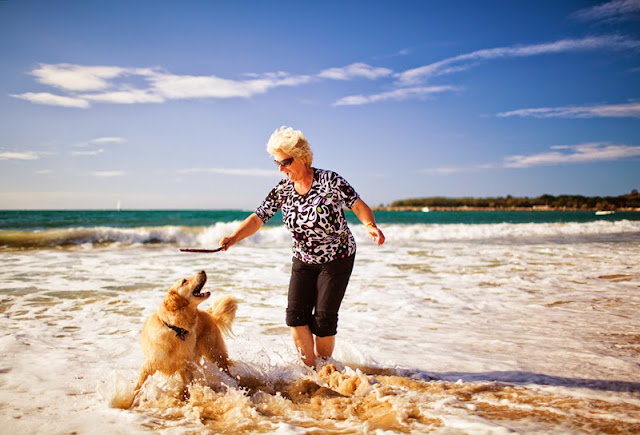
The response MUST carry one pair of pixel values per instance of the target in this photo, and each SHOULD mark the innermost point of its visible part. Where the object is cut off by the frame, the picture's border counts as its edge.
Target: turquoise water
(32, 220)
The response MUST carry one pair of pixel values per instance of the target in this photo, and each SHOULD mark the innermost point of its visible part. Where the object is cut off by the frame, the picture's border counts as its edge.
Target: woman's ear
(174, 302)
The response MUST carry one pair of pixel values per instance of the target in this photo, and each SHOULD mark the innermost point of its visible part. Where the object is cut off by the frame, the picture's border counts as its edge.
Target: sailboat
(118, 206)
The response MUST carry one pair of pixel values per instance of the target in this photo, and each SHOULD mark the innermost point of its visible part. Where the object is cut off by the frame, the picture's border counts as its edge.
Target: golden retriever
(179, 334)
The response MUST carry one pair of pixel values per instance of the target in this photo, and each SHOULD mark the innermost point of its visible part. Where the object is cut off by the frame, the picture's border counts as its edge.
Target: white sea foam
(548, 310)
(278, 235)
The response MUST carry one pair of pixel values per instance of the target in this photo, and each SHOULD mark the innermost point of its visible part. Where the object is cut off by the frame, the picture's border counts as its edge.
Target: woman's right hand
(227, 242)
(247, 228)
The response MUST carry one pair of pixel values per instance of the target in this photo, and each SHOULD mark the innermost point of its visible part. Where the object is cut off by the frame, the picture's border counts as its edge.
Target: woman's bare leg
(303, 340)
(325, 345)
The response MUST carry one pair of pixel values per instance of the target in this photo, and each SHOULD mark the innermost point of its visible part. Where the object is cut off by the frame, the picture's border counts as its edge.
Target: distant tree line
(574, 202)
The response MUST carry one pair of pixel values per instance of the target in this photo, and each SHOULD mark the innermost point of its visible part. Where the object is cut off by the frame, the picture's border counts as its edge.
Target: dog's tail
(223, 310)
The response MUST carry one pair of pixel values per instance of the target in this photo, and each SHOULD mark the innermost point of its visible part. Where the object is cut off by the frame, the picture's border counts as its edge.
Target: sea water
(470, 322)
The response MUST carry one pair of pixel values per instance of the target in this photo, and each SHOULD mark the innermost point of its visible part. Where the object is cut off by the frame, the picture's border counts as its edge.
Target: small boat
(604, 212)
(425, 210)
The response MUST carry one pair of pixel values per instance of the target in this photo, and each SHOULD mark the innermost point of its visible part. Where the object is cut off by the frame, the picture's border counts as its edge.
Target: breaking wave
(272, 236)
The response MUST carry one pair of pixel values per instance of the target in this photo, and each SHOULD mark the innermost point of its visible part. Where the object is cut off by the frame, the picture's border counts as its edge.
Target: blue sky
(170, 104)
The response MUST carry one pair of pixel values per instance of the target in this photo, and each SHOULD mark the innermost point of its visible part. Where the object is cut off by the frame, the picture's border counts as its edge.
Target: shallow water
(486, 328)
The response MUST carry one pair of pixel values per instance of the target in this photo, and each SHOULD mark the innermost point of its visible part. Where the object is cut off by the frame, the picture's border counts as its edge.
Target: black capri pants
(315, 294)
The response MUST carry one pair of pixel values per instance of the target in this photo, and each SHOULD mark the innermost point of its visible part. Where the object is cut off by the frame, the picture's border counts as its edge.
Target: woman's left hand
(375, 233)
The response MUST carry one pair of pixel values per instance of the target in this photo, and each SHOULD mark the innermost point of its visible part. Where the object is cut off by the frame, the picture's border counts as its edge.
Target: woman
(324, 249)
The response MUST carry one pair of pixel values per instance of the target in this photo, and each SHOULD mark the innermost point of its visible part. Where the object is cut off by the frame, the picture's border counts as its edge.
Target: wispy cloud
(70, 77)
(355, 70)
(582, 153)
(80, 86)
(93, 143)
(100, 141)
(396, 95)
(616, 10)
(107, 140)
(124, 96)
(231, 171)
(107, 174)
(19, 155)
(625, 110)
(446, 170)
(49, 99)
(407, 82)
(87, 153)
(591, 152)
(171, 86)
(468, 60)
(85, 85)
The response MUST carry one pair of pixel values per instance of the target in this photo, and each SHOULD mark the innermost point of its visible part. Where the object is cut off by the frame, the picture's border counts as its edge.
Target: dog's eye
(184, 281)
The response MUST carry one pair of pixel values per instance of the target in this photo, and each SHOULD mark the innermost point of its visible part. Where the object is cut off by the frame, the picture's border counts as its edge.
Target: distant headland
(628, 202)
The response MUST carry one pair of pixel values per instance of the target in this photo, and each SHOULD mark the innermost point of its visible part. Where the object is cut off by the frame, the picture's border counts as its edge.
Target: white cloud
(117, 85)
(465, 61)
(83, 85)
(44, 171)
(459, 169)
(16, 155)
(107, 140)
(355, 70)
(125, 96)
(182, 87)
(445, 170)
(107, 174)
(591, 152)
(231, 171)
(77, 77)
(582, 153)
(49, 99)
(87, 153)
(99, 141)
(625, 110)
(171, 86)
(616, 10)
(396, 95)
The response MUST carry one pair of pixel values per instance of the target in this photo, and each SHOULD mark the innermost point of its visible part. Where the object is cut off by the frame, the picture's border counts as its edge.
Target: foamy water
(446, 329)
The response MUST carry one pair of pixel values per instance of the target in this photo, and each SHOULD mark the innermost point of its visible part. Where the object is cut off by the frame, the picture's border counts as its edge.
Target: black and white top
(316, 219)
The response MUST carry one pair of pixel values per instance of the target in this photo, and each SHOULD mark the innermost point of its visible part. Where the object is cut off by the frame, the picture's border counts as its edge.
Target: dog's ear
(175, 302)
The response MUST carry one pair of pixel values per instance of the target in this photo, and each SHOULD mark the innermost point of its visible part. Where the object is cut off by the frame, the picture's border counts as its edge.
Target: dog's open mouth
(197, 291)
(199, 294)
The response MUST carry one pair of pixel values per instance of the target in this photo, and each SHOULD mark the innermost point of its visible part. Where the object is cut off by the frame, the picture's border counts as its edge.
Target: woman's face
(295, 171)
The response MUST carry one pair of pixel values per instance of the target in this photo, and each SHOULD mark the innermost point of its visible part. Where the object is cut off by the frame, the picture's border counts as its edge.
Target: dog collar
(180, 332)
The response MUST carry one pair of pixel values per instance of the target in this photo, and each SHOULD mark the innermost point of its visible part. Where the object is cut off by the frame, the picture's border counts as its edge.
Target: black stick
(204, 251)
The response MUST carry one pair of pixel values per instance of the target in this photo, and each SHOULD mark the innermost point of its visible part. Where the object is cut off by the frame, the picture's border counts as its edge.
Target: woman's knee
(299, 317)
(324, 324)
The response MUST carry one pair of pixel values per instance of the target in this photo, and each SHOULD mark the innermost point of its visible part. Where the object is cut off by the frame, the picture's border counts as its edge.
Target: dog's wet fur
(179, 334)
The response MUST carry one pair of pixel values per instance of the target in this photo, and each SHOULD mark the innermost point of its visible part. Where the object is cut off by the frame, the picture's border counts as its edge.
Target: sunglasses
(284, 163)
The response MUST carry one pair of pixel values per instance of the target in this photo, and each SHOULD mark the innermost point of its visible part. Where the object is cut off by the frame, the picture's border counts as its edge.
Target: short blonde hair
(286, 140)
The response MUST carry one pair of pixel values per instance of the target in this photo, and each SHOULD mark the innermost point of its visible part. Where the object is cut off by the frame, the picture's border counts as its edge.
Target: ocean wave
(274, 236)
(508, 231)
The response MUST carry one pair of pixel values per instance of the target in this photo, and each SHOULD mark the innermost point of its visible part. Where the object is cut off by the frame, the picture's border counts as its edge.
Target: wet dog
(179, 334)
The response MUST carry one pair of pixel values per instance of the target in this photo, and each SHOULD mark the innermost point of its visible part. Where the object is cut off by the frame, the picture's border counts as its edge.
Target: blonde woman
(312, 202)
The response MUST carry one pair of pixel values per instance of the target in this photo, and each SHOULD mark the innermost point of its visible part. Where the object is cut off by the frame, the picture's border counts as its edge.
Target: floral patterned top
(316, 219)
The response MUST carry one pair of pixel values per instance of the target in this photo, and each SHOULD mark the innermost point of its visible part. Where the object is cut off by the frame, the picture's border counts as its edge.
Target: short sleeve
(271, 204)
(347, 193)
